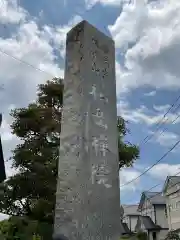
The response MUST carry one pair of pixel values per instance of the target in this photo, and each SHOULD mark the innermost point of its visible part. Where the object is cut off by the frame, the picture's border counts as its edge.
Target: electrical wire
(173, 121)
(159, 160)
(161, 121)
(128, 206)
(145, 140)
(158, 193)
(26, 63)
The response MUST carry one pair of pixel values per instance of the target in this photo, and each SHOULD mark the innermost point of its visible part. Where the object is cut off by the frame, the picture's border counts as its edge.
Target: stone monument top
(82, 25)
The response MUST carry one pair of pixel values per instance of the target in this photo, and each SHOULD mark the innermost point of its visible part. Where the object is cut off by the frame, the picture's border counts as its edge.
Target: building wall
(162, 234)
(161, 216)
(127, 221)
(157, 213)
(130, 216)
(133, 222)
(173, 210)
(171, 190)
(150, 235)
(148, 210)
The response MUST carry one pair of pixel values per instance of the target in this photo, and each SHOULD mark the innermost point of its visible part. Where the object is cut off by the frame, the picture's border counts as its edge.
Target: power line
(158, 193)
(166, 152)
(178, 116)
(161, 122)
(24, 62)
(134, 179)
(163, 155)
(128, 206)
(147, 137)
(166, 128)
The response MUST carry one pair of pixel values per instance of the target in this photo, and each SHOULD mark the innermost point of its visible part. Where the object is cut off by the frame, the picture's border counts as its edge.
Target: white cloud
(58, 34)
(10, 12)
(162, 170)
(30, 44)
(166, 139)
(150, 94)
(153, 30)
(91, 3)
(144, 115)
(126, 175)
(161, 108)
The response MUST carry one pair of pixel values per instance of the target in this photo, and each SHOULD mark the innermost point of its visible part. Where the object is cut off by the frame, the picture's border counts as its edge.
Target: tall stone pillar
(88, 198)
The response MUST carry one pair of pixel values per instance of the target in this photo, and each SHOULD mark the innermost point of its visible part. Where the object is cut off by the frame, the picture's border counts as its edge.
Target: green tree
(31, 192)
(128, 152)
(21, 228)
(172, 235)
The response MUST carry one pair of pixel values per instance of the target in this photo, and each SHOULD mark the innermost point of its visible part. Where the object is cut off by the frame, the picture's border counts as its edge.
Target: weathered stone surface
(87, 201)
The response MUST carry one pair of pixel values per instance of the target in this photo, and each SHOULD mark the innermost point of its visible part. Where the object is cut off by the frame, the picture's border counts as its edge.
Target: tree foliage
(21, 228)
(141, 235)
(31, 192)
(128, 152)
(172, 235)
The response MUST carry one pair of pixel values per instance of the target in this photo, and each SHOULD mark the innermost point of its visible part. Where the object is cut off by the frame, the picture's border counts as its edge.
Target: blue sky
(147, 38)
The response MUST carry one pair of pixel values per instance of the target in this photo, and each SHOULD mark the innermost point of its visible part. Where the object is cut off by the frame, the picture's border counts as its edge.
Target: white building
(171, 192)
(131, 215)
(153, 217)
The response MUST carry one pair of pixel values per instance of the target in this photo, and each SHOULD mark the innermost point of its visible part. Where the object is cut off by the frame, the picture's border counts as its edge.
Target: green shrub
(36, 237)
(141, 236)
(172, 235)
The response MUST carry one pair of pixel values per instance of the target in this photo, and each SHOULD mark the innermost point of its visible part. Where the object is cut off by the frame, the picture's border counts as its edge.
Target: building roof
(124, 228)
(156, 198)
(130, 210)
(171, 181)
(148, 223)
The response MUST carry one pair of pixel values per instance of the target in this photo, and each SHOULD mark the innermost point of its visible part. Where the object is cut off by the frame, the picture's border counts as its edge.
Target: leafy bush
(124, 238)
(172, 235)
(22, 228)
(36, 237)
(141, 235)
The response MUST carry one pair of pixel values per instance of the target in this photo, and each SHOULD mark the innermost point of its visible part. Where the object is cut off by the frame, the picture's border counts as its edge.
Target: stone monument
(88, 198)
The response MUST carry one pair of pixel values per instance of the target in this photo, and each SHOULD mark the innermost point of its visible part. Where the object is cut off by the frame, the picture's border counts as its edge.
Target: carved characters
(99, 119)
(100, 145)
(96, 95)
(99, 175)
